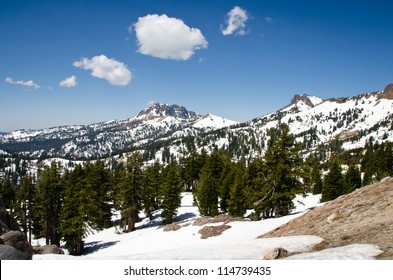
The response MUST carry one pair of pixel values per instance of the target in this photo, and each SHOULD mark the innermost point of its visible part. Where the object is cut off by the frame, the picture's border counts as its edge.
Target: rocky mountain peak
(387, 92)
(309, 100)
(158, 110)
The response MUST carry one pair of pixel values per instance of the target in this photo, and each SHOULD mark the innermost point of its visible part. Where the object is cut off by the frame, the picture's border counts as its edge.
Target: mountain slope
(364, 216)
(156, 123)
(172, 129)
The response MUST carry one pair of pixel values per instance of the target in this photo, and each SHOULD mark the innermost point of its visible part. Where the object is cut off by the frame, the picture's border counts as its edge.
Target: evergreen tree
(131, 188)
(210, 181)
(237, 202)
(283, 170)
(368, 163)
(151, 188)
(98, 180)
(24, 206)
(8, 192)
(353, 179)
(228, 178)
(171, 189)
(49, 197)
(333, 183)
(75, 214)
(316, 179)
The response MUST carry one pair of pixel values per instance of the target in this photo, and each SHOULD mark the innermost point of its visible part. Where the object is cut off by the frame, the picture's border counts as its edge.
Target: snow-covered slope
(239, 242)
(158, 122)
(350, 121)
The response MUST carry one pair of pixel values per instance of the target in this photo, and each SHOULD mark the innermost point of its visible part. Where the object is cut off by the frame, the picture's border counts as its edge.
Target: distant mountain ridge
(174, 130)
(156, 122)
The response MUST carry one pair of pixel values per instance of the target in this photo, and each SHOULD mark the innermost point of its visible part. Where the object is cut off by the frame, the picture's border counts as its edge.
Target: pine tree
(283, 164)
(316, 179)
(131, 188)
(207, 193)
(353, 179)
(98, 180)
(171, 189)
(237, 202)
(49, 197)
(151, 187)
(333, 183)
(78, 203)
(24, 206)
(210, 182)
(228, 178)
(8, 192)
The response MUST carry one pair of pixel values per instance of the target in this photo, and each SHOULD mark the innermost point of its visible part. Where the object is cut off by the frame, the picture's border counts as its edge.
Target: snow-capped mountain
(175, 131)
(158, 122)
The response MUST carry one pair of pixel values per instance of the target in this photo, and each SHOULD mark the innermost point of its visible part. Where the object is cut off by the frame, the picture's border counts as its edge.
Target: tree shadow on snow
(95, 246)
(185, 216)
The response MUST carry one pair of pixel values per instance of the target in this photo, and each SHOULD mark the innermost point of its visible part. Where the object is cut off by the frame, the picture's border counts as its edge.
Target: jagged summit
(301, 102)
(160, 110)
(388, 92)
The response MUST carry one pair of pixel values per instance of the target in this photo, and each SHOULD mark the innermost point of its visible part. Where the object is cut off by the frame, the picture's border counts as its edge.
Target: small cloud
(115, 72)
(68, 82)
(236, 22)
(168, 38)
(29, 84)
(269, 20)
(151, 102)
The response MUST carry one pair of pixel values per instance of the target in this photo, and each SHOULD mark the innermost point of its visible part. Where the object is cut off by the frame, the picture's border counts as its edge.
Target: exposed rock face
(13, 244)
(275, 254)
(388, 92)
(47, 249)
(7, 223)
(363, 216)
(8, 252)
(17, 240)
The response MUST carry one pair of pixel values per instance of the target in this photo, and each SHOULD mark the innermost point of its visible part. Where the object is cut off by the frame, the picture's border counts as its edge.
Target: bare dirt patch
(225, 219)
(364, 216)
(211, 231)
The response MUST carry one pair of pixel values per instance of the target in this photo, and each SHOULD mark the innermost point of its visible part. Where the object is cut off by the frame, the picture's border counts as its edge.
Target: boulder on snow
(8, 252)
(275, 254)
(47, 249)
(17, 240)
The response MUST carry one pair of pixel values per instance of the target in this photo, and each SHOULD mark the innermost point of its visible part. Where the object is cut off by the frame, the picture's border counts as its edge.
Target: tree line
(63, 205)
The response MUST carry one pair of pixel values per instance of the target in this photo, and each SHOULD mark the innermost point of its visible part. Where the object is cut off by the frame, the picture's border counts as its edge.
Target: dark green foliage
(150, 189)
(78, 199)
(171, 189)
(353, 179)
(281, 175)
(316, 179)
(377, 162)
(24, 206)
(99, 180)
(333, 183)
(210, 183)
(131, 191)
(50, 196)
(86, 203)
(238, 200)
(8, 192)
(228, 178)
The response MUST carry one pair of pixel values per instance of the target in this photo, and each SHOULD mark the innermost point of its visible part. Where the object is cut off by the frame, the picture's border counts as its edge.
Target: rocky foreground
(362, 217)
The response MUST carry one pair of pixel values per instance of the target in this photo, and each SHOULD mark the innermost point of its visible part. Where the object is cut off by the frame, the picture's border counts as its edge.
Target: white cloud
(236, 22)
(115, 72)
(269, 19)
(68, 82)
(168, 38)
(29, 84)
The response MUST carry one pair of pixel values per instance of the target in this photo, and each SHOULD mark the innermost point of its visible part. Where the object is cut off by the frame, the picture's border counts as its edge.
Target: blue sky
(80, 62)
